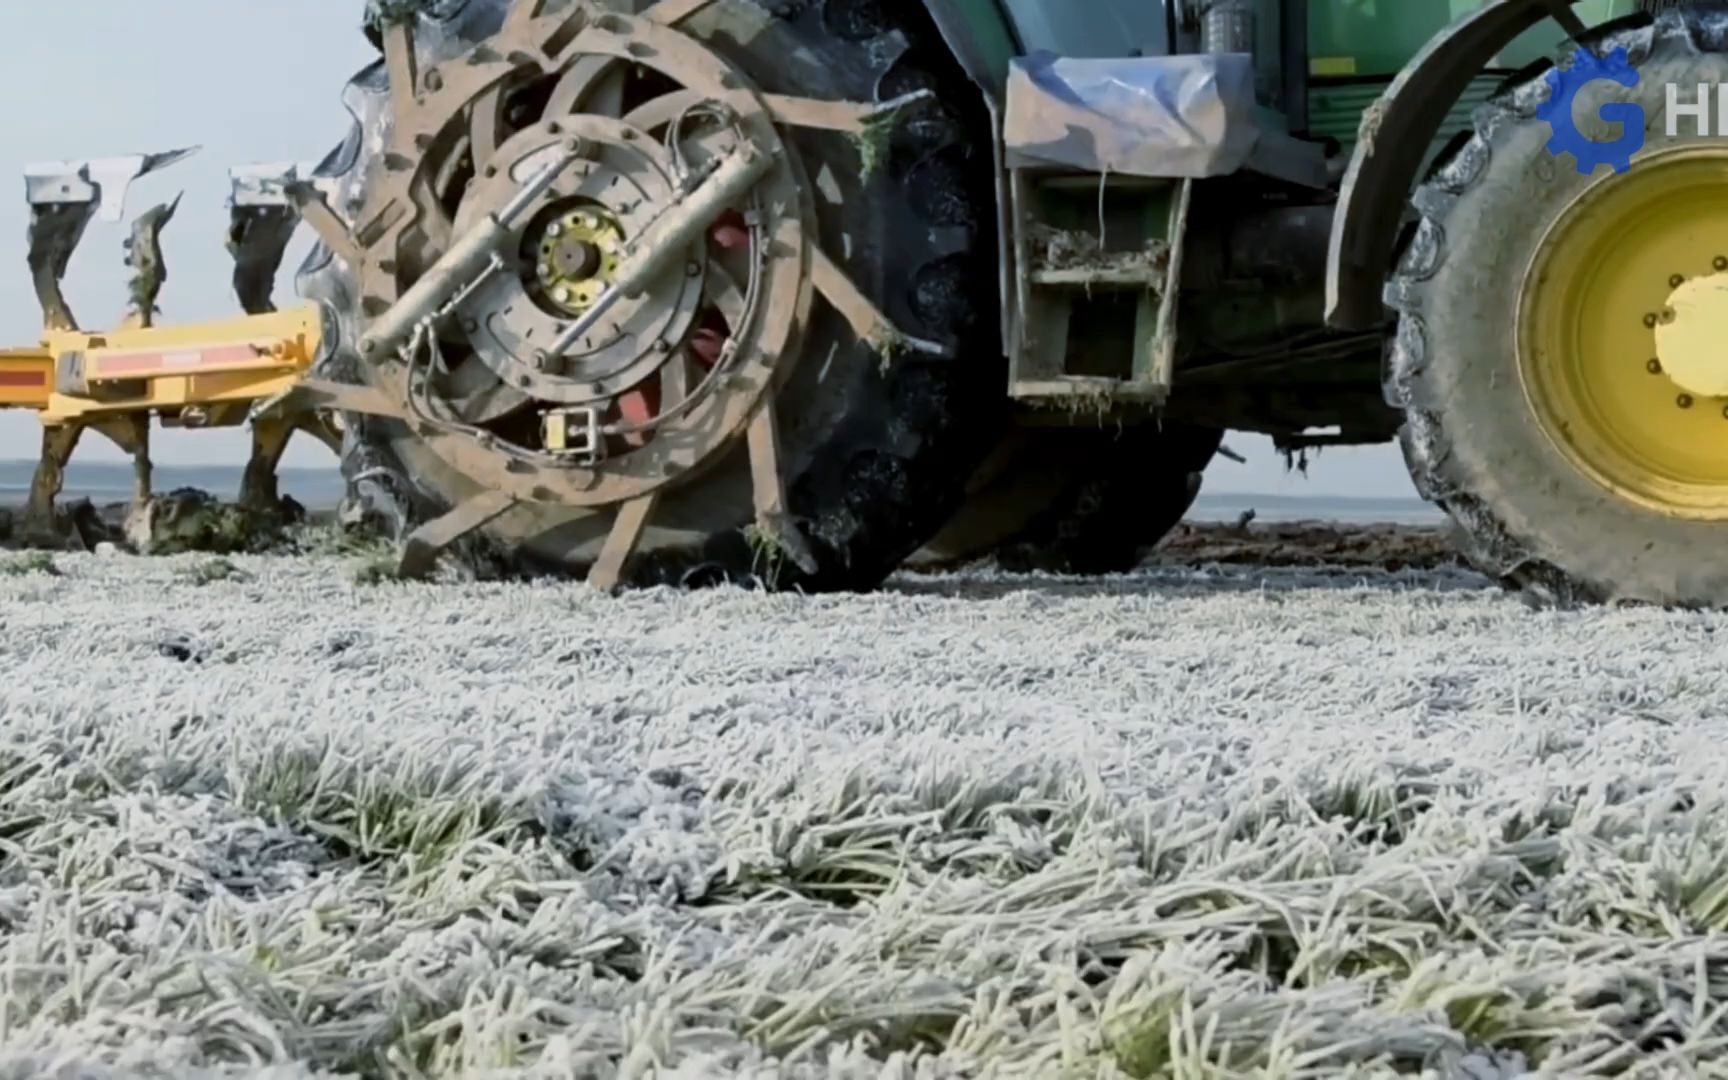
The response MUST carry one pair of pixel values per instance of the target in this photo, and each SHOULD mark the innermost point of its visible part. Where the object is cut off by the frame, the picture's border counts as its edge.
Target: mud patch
(1385, 547)
(180, 522)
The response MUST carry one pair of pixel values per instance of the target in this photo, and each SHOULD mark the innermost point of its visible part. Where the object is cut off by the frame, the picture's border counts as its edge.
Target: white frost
(1316, 825)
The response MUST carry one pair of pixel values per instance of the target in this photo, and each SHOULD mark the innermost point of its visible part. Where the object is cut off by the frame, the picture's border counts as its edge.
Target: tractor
(683, 291)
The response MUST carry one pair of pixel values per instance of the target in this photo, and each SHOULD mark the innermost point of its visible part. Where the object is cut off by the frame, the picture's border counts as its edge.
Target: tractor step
(1100, 261)
(1101, 278)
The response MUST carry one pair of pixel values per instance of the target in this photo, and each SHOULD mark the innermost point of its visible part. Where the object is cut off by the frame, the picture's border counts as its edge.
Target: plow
(115, 382)
(684, 291)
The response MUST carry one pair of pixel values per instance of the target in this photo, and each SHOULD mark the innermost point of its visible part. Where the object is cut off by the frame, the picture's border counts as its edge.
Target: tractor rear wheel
(1557, 352)
(1081, 500)
(874, 439)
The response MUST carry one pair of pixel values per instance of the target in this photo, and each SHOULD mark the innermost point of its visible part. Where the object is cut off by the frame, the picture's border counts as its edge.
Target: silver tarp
(1177, 116)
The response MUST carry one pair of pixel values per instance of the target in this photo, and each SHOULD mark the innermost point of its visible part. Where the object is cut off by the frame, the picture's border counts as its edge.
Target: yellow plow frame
(200, 375)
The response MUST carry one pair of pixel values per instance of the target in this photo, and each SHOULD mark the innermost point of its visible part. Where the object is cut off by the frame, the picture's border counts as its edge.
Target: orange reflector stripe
(144, 363)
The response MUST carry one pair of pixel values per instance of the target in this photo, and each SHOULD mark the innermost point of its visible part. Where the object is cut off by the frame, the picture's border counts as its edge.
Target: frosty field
(1245, 822)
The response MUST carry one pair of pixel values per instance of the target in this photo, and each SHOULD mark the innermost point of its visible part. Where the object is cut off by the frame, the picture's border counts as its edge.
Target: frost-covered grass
(275, 823)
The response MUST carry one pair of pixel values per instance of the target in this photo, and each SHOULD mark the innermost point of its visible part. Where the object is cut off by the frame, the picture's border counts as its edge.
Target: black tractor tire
(1528, 517)
(877, 448)
(1080, 501)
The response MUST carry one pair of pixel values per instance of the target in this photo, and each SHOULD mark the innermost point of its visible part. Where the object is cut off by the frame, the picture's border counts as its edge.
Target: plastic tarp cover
(1182, 116)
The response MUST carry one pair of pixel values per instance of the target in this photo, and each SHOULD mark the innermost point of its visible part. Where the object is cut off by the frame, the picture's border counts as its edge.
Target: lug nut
(562, 295)
(555, 229)
(1676, 281)
(1684, 401)
(1720, 262)
(1654, 367)
(1650, 321)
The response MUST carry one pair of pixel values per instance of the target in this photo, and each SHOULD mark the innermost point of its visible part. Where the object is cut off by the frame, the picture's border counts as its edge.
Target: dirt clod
(192, 520)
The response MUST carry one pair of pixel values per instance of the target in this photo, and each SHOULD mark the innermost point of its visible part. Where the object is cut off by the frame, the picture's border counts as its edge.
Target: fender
(981, 38)
(1382, 172)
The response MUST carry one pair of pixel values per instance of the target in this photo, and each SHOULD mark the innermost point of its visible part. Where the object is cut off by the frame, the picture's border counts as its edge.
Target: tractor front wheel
(1557, 352)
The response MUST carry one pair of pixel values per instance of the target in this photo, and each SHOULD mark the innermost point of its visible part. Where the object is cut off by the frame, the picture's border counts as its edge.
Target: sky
(260, 81)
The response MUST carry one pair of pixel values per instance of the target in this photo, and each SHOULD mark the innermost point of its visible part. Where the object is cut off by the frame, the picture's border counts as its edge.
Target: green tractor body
(1227, 322)
(1205, 203)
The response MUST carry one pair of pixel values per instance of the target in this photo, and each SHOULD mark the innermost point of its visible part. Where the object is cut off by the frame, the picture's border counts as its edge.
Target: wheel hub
(1692, 337)
(574, 256)
(1620, 326)
(626, 180)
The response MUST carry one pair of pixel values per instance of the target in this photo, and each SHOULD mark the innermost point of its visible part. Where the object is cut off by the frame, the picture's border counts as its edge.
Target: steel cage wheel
(875, 448)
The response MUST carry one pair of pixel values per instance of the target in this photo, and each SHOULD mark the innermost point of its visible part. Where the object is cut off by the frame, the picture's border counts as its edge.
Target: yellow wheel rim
(1623, 333)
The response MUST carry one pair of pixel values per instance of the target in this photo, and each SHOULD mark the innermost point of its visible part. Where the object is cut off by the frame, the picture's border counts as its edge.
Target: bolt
(470, 323)
(1676, 281)
(434, 81)
(545, 270)
(1684, 401)
(693, 269)
(555, 229)
(368, 346)
(1650, 321)
(1654, 367)
(1720, 262)
(561, 294)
